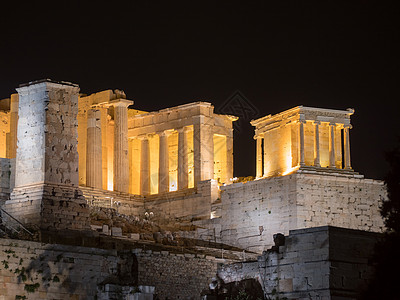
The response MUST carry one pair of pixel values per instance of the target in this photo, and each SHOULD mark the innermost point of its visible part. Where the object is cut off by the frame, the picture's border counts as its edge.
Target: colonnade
(262, 145)
(94, 146)
(163, 172)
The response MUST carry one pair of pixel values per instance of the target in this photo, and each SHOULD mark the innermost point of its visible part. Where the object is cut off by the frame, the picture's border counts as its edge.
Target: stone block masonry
(46, 190)
(5, 175)
(252, 212)
(53, 271)
(315, 263)
(44, 271)
(176, 276)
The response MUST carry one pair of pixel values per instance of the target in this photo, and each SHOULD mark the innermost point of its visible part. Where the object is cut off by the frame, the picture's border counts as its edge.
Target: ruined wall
(252, 212)
(5, 174)
(124, 203)
(186, 204)
(176, 276)
(314, 263)
(53, 271)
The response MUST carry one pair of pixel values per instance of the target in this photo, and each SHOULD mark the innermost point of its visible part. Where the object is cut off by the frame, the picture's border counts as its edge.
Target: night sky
(276, 54)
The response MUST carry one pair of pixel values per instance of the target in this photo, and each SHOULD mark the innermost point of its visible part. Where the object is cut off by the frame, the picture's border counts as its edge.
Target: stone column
(121, 160)
(104, 146)
(183, 172)
(13, 125)
(163, 168)
(94, 149)
(265, 170)
(301, 141)
(144, 166)
(317, 160)
(332, 158)
(229, 158)
(259, 154)
(203, 146)
(346, 138)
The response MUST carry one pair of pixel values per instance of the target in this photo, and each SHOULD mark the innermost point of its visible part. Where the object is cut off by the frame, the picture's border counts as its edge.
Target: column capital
(349, 126)
(258, 136)
(143, 137)
(166, 133)
(120, 103)
(332, 124)
(185, 129)
(317, 122)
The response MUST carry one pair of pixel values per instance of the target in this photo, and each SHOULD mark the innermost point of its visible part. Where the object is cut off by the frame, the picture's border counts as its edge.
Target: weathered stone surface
(46, 190)
(252, 212)
(70, 272)
(316, 263)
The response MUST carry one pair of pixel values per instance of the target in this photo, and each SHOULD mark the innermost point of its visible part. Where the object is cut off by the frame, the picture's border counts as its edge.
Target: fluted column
(163, 167)
(144, 166)
(229, 158)
(317, 160)
(203, 147)
(259, 154)
(346, 138)
(13, 125)
(332, 158)
(94, 149)
(183, 175)
(266, 153)
(301, 142)
(121, 160)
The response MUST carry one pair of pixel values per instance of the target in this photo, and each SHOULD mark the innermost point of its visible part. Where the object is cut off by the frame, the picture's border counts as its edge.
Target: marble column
(13, 125)
(259, 154)
(332, 158)
(346, 138)
(94, 149)
(183, 175)
(317, 160)
(266, 153)
(163, 168)
(229, 158)
(203, 147)
(301, 142)
(121, 160)
(144, 166)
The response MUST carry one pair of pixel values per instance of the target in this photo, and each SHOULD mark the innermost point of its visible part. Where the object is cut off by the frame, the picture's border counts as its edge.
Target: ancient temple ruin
(63, 153)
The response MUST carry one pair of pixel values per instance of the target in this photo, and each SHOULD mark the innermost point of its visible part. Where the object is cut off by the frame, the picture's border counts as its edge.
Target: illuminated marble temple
(132, 151)
(177, 164)
(303, 137)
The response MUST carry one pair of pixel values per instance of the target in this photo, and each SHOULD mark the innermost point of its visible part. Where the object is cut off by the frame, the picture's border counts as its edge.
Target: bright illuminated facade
(131, 151)
(172, 163)
(303, 138)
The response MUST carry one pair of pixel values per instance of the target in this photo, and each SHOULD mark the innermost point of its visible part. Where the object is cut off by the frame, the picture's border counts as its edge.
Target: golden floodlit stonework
(177, 164)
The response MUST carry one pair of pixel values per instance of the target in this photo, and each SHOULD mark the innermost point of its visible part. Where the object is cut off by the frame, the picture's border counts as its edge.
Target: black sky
(278, 54)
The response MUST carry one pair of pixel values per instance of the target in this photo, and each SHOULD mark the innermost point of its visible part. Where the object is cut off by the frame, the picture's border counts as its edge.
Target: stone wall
(5, 176)
(53, 271)
(315, 263)
(61, 207)
(185, 204)
(176, 276)
(127, 204)
(252, 212)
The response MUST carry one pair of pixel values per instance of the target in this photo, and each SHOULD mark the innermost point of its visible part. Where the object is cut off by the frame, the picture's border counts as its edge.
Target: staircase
(10, 226)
